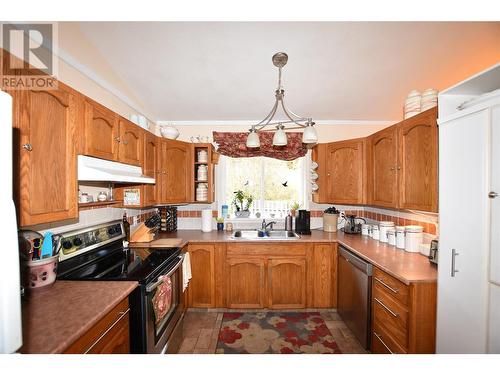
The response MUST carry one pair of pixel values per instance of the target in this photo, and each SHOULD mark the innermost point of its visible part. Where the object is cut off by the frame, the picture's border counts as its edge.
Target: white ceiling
(199, 71)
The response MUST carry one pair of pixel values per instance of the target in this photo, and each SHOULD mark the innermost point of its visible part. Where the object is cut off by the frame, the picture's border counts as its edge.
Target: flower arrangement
(242, 202)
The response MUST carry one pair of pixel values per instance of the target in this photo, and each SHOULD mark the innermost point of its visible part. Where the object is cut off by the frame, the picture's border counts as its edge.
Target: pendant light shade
(253, 140)
(279, 138)
(310, 136)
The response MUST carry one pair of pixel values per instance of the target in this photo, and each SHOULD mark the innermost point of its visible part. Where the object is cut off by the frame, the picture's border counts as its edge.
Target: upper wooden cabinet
(344, 164)
(177, 168)
(418, 162)
(384, 156)
(131, 143)
(102, 133)
(45, 179)
(151, 162)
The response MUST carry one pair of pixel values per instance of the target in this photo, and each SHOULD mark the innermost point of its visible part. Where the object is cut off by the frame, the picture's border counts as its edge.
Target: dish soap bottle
(126, 226)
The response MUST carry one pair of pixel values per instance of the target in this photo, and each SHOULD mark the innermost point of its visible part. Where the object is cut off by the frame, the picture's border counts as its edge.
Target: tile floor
(201, 329)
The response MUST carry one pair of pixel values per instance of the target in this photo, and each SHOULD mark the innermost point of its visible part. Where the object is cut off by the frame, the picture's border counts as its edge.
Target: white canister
(202, 192)
(365, 229)
(375, 233)
(206, 220)
(202, 156)
(391, 236)
(202, 173)
(413, 238)
(400, 237)
(384, 225)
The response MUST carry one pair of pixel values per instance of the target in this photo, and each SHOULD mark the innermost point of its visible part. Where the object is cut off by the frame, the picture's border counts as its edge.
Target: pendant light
(253, 140)
(310, 136)
(279, 138)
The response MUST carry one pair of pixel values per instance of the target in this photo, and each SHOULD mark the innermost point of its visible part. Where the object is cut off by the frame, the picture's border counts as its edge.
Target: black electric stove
(98, 253)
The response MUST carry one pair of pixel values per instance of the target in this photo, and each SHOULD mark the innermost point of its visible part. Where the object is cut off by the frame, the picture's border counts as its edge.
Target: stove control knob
(111, 231)
(67, 244)
(77, 241)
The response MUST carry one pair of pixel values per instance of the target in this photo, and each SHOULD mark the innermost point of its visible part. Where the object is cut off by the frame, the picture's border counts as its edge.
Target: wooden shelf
(98, 204)
(200, 181)
(201, 162)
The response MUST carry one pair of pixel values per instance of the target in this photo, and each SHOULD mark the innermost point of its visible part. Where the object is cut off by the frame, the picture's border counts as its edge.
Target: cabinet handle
(392, 168)
(28, 147)
(117, 139)
(453, 255)
(387, 286)
(492, 194)
(399, 168)
(385, 307)
(125, 142)
(382, 341)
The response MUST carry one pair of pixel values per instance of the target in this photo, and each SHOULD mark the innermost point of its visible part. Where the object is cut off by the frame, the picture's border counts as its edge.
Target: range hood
(94, 169)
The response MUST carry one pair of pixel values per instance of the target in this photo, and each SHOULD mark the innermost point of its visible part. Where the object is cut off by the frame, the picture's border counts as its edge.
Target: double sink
(264, 235)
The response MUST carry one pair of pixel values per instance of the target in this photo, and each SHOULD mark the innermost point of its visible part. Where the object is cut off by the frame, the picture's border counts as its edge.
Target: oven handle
(152, 287)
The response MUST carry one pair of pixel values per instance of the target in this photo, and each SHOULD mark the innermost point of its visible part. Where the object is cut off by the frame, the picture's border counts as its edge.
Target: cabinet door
(202, 285)
(161, 176)
(101, 131)
(286, 283)
(178, 171)
(462, 297)
(45, 154)
(384, 145)
(324, 276)
(151, 146)
(245, 283)
(344, 164)
(130, 150)
(418, 158)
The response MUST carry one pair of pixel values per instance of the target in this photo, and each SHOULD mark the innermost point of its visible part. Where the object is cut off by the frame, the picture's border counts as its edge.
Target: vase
(220, 226)
(242, 214)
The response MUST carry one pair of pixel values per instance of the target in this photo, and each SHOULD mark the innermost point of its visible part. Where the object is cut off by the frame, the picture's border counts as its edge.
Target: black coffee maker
(303, 222)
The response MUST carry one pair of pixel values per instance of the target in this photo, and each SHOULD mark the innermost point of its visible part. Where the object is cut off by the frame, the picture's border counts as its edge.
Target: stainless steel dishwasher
(354, 294)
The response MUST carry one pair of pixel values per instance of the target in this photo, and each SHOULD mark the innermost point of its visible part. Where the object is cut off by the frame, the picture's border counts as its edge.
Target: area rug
(275, 333)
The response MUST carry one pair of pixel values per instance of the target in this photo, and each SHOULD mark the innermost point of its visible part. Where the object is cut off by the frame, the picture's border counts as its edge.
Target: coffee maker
(303, 222)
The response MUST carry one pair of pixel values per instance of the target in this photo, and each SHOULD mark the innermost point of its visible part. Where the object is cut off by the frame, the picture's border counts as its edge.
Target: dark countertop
(56, 317)
(407, 267)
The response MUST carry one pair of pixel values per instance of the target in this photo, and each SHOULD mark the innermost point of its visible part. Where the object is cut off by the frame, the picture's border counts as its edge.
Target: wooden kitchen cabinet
(45, 172)
(151, 151)
(177, 167)
(384, 157)
(403, 316)
(246, 280)
(323, 284)
(131, 143)
(344, 170)
(418, 162)
(286, 283)
(108, 336)
(102, 134)
(201, 292)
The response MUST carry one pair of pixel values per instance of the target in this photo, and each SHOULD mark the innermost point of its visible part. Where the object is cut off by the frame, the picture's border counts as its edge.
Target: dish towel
(162, 300)
(186, 271)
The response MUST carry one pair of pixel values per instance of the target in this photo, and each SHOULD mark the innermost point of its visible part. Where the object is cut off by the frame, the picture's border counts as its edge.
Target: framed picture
(132, 197)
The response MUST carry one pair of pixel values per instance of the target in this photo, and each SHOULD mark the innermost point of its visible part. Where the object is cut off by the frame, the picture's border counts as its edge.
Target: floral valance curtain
(234, 145)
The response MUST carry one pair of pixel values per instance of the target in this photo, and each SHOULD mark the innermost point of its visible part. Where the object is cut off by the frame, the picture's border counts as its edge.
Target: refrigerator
(10, 291)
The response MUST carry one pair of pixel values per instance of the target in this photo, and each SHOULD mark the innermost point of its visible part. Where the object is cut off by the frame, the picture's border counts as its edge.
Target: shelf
(199, 181)
(201, 162)
(98, 204)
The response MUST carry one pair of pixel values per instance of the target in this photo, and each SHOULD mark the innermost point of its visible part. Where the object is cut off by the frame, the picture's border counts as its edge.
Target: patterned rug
(275, 333)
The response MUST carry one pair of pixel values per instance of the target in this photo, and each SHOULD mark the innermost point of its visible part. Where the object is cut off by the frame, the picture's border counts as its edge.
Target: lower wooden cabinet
(201, 291)
(109, 336)
(403, 316)
(286, 283)
(245, 283)
(323, 276)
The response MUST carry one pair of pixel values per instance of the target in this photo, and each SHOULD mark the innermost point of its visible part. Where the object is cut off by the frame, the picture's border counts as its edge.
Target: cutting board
(163, 242)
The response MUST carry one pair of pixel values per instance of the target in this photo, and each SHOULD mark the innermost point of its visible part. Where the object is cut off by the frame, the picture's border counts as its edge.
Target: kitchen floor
(201, 331)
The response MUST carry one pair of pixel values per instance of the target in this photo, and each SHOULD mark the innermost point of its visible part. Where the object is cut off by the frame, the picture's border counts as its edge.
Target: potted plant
(241, 203)
(220, 223)
(293, 208)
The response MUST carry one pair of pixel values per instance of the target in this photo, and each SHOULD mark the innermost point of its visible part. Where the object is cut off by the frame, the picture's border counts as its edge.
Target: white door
(494, 327)
(495, 202)
(463, 217)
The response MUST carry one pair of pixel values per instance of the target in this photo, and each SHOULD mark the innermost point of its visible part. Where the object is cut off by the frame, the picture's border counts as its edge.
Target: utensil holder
(41, 273)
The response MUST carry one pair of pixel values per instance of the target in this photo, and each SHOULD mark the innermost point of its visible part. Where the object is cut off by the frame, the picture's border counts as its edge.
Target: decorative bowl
(169, 132)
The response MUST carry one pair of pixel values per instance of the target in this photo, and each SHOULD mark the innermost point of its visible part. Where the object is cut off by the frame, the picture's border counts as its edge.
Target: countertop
(407, 267)
(56, 317)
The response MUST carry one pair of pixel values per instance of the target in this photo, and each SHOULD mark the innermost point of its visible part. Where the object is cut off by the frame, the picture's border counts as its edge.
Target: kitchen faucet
(265, 225)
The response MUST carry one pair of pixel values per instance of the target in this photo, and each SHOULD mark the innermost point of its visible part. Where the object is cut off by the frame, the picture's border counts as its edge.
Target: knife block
(142, 234)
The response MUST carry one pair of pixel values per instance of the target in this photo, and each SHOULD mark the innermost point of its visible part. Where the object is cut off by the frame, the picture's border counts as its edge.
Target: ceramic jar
(391, 236)
(202, 156)
(384, 225)
(400, 237)
(375, 233)
(365, 229)
(102, 197)
(413, 238)
(202, 173)
(202, 192)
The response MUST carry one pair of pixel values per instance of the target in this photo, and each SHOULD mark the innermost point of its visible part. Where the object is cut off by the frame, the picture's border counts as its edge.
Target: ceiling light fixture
(309, 136)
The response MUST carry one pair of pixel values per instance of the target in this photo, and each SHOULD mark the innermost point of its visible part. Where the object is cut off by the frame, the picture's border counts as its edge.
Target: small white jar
(413, 238)
(375, 233)
(384, 225)
(202, 156)
(365, 229)
(391, 236)
(202, 173)
(400, 237)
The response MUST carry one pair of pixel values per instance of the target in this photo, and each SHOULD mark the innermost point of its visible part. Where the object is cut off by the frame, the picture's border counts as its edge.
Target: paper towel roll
(206, 220)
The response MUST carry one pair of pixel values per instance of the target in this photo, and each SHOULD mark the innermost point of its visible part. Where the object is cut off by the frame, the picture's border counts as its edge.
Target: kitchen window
(274, 184)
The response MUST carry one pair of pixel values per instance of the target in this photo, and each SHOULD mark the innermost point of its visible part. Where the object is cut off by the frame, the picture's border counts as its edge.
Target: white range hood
(94, 169)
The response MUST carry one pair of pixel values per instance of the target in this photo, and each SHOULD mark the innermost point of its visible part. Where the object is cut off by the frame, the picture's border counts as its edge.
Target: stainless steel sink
(260, 235)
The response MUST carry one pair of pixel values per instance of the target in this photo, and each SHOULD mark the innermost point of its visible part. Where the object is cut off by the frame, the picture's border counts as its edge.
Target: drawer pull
(387, 286)
(382, 341)
(385, 307)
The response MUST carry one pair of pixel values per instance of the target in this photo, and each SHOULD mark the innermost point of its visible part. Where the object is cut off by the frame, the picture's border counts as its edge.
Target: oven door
(159, 330)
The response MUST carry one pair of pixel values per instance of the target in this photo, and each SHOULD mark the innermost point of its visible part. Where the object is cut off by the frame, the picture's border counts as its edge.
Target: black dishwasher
(354, 294)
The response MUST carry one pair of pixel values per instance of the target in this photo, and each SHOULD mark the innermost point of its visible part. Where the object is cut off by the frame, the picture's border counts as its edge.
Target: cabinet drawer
(274, 250)
(391, 285)
(383, 343)
(391, 315)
